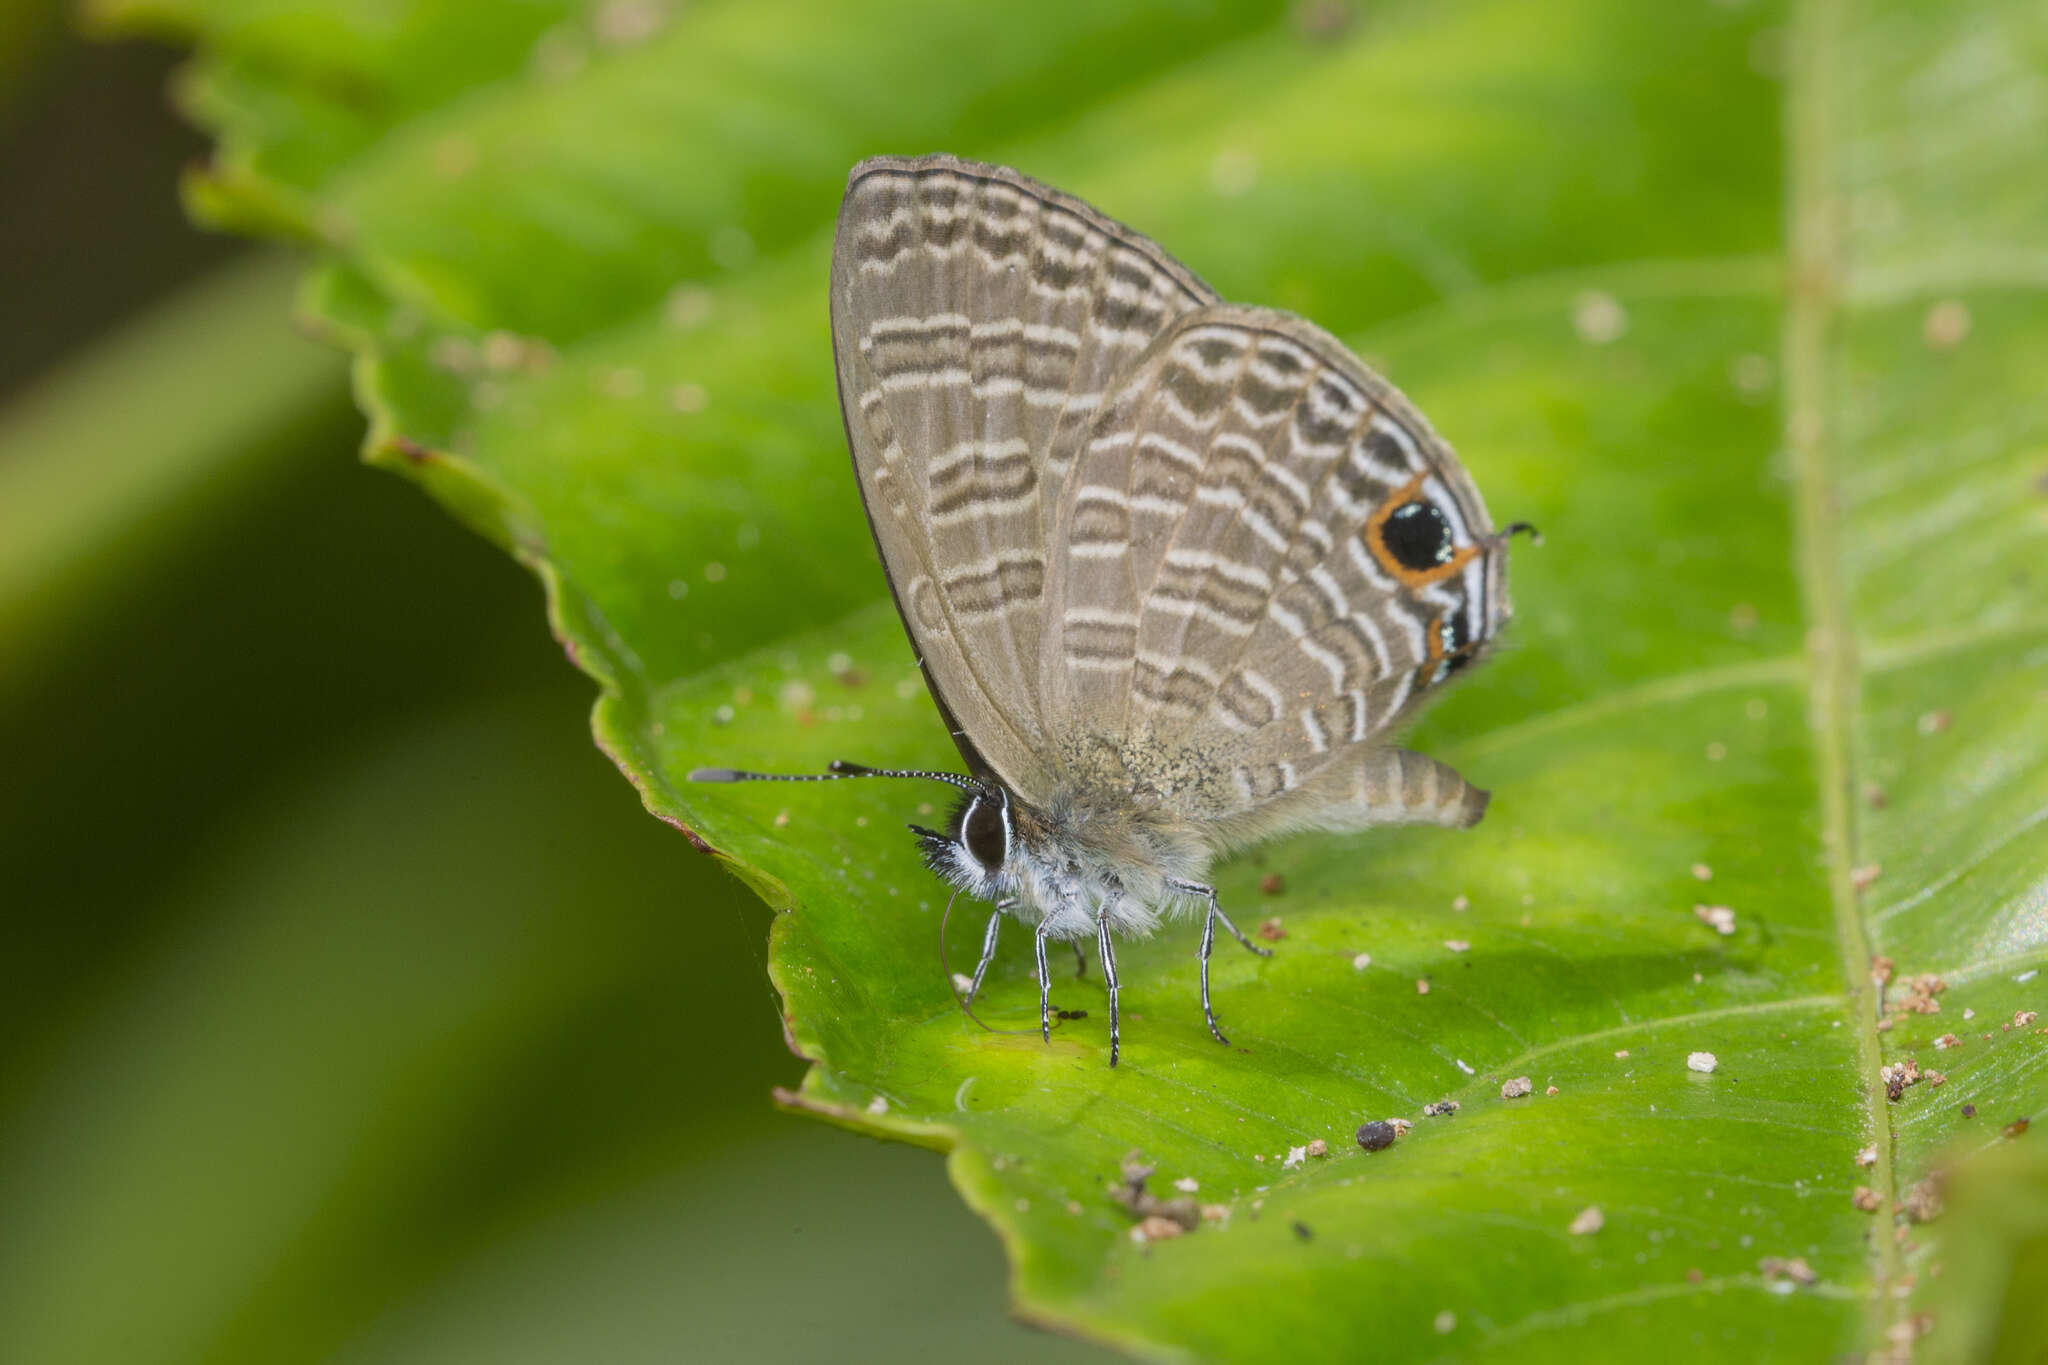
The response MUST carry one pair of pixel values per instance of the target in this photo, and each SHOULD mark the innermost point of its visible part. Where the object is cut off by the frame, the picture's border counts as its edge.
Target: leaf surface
(1742, 305)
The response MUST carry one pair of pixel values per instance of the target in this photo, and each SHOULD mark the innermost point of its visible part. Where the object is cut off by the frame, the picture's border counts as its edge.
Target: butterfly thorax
(1068, 864)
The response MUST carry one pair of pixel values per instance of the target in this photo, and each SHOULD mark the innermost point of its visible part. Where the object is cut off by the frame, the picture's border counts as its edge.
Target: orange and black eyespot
(1448, 645)
(1410, 537)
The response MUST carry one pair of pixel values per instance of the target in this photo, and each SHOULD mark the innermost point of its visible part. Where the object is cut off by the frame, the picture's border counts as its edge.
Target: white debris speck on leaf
(1703, 872)
(1969, 1013)
(1421, 985)
(1516, 1088)
(1234, 172)
(1446, 1323)
(1589, 1221)
(2028, 975)
(962, 983)
(1460, 903)
(795, 695)
(1295, 1157)
(1946, 324)
(1318, 1147)
(1464, 1068)
(878, 1106)
(1186, 1184)
(1458, 945)
(688, 306)
(1361, 962)
(1719, 917)
(1867, 1157)
(1701, 1061)
(1621, 1055)
(1401, 1126)
(678, 589)
(1598, 317)
(724, 715)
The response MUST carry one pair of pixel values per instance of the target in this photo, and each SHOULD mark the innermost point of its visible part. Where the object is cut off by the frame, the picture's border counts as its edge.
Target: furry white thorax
(1065, 864)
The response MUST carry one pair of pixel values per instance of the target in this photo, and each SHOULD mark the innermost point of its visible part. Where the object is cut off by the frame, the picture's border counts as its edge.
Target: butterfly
(1174, 568)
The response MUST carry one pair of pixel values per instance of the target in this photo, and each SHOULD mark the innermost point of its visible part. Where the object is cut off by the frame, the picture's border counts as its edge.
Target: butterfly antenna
(836, 769)
(946, 970)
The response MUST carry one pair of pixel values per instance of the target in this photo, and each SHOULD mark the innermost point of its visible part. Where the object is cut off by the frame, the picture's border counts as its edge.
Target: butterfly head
(974, 851)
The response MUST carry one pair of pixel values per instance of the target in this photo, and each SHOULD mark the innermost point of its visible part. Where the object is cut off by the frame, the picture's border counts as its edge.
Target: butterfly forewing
(976, 316)
(1265, 558)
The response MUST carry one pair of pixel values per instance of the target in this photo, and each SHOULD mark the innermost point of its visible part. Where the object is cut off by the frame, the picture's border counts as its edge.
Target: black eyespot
(1455, 634)
(981, 830)
(1417, 536)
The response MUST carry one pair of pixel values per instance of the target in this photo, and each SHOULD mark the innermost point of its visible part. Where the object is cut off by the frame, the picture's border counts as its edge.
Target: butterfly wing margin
(1255, 593)
(977, 315)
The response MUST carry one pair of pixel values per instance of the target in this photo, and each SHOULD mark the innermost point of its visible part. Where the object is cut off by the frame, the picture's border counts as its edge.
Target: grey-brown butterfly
(1173, 567)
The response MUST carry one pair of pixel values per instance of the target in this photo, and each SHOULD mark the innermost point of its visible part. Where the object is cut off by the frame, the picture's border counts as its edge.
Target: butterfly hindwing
(1266, 560)
(976, 316)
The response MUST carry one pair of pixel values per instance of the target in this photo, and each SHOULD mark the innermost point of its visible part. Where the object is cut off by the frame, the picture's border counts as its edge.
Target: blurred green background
(350, 1005)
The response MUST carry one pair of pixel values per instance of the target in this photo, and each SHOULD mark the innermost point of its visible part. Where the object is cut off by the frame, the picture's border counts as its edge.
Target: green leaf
(1743, 306)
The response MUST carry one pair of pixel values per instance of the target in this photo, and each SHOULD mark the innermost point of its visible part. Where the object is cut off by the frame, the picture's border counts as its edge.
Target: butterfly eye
(1417, 536)
(985, 832)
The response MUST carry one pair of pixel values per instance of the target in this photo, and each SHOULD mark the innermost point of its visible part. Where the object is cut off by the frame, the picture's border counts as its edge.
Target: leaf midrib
(1813, 241)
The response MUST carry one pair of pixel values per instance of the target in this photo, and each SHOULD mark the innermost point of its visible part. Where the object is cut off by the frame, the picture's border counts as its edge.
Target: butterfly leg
(1208, 893)
(988, 955)
(1044, 987)
(1208, 943)
(1102, 942)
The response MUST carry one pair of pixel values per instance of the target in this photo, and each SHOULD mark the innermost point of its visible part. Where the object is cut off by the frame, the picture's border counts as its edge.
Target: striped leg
(1209, 942)
(988, 955)
(1102, 942)
(1209, 893)
(1044, 987)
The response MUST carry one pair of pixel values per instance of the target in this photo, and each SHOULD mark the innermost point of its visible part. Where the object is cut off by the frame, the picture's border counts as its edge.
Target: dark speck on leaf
(2016, 1127)
(1304, 1231)
(1376, 1136)
(1969, 1111)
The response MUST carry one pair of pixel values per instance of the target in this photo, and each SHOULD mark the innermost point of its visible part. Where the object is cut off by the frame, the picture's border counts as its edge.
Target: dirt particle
(1881, 969)
(1377, 1135)
(1140, 1203)
(1719, 917)
(1361, 962)
(1703, 1062)
(1922, 1201)
(1946, 1041)
(1934, 722)
(1304, 1231)
(1861, 877)
(2016, 1127)
(1272, 883)
(2022, 1018)
(1156, 1228)
(1421, 985)
(1866, 1158)
(1969, 1111)
(1318, 1147)
(1621, 1054)
(1589, 1221)
(1446, 1323)
(1551, 1090)
(1867, 1199)
(1779, 1269)
(1459, 903)
(1701, 872)
(1516, 1088)
(1694, 1275)
(1934, 1077)
(1294, 1160)
(1443, 1108)
(1945, 325)
(1874, 796)
(1215, 1213)
(1186, 1184)
(1271, 931)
